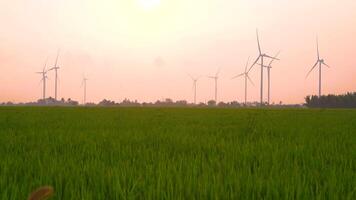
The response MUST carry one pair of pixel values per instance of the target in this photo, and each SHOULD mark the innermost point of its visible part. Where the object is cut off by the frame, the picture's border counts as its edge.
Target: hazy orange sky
(143, 50)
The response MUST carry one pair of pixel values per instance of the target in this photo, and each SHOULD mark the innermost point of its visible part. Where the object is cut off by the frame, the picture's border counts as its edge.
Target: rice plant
(178, 153)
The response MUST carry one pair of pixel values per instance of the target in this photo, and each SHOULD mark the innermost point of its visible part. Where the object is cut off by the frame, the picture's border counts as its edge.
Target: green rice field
(178, 153)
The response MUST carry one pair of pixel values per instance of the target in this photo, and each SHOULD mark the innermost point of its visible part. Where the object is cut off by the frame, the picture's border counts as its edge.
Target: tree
(211, 103)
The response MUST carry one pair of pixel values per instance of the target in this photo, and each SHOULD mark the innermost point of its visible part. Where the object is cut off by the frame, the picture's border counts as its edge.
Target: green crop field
(178, 153)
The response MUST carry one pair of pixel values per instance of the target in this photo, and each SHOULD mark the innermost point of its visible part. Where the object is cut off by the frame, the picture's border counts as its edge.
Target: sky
(144, 49)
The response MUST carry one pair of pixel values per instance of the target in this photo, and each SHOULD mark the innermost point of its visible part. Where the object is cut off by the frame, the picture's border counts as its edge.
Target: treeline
(43, 102)
(129, 103)
(347, 100)
(164, 103)
(183, 103)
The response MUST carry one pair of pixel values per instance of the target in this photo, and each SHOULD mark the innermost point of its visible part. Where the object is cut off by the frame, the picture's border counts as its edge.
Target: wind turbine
(216, 77)
(195, 80)
(269, 67)
(261, 57)
(319, 62)
(246, 76)
(44, 77)
(55, 68)
(84, 83)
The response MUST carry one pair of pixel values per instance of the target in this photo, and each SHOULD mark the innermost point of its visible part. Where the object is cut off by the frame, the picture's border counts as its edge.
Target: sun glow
(149, 4)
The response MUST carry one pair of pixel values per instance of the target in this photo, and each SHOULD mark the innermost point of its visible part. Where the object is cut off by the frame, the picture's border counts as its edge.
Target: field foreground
(178, 153)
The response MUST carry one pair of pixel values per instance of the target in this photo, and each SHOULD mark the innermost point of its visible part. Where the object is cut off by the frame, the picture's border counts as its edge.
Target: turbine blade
(273, 58)
(248, 60)
(218, 72)
(51, 69)
(269, 65)
(317, 47)
(55, 64)
(312, 68)
(191, 76)
(248, 77)
(45, 65)
(258, 42)
(238, 76)
(326, 64)
(254, 63)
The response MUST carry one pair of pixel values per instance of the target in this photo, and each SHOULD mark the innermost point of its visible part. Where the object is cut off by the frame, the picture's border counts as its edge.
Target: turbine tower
(55, 68)
(261, 57)
(44, 77)
(216, 77)
(195, 80)
(84, 84)
(269, 67)
(319, 62)
(246, 76)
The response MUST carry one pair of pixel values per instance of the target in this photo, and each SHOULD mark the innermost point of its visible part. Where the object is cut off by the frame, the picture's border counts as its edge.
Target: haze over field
(143, 49)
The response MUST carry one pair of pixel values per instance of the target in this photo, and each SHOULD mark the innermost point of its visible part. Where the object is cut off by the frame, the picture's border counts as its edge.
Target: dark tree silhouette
(347, 100)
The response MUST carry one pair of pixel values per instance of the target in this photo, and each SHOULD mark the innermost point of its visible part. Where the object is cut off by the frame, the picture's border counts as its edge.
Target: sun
(149, 4)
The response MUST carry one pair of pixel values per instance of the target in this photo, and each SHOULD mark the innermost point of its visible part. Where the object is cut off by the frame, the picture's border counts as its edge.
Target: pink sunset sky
(143, 49)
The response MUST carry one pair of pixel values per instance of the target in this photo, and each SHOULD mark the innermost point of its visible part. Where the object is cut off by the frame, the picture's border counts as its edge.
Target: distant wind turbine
(195, 80)
(269, 67)
(246, 76)
(216, 77)
(43, 80)
(55, 68)
(261, 57)
(319, 62)
(84, 84)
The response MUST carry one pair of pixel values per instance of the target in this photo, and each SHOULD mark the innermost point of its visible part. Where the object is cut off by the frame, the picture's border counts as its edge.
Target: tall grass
(178, 153)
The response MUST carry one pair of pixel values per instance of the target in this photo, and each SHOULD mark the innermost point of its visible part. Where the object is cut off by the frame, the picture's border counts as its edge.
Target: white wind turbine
(43, 80)
(246, 76)
(195, 80)
(84, 85)
(269, 67)
(216, 77)
(55, 68)
(261, 57)
(319, 62)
